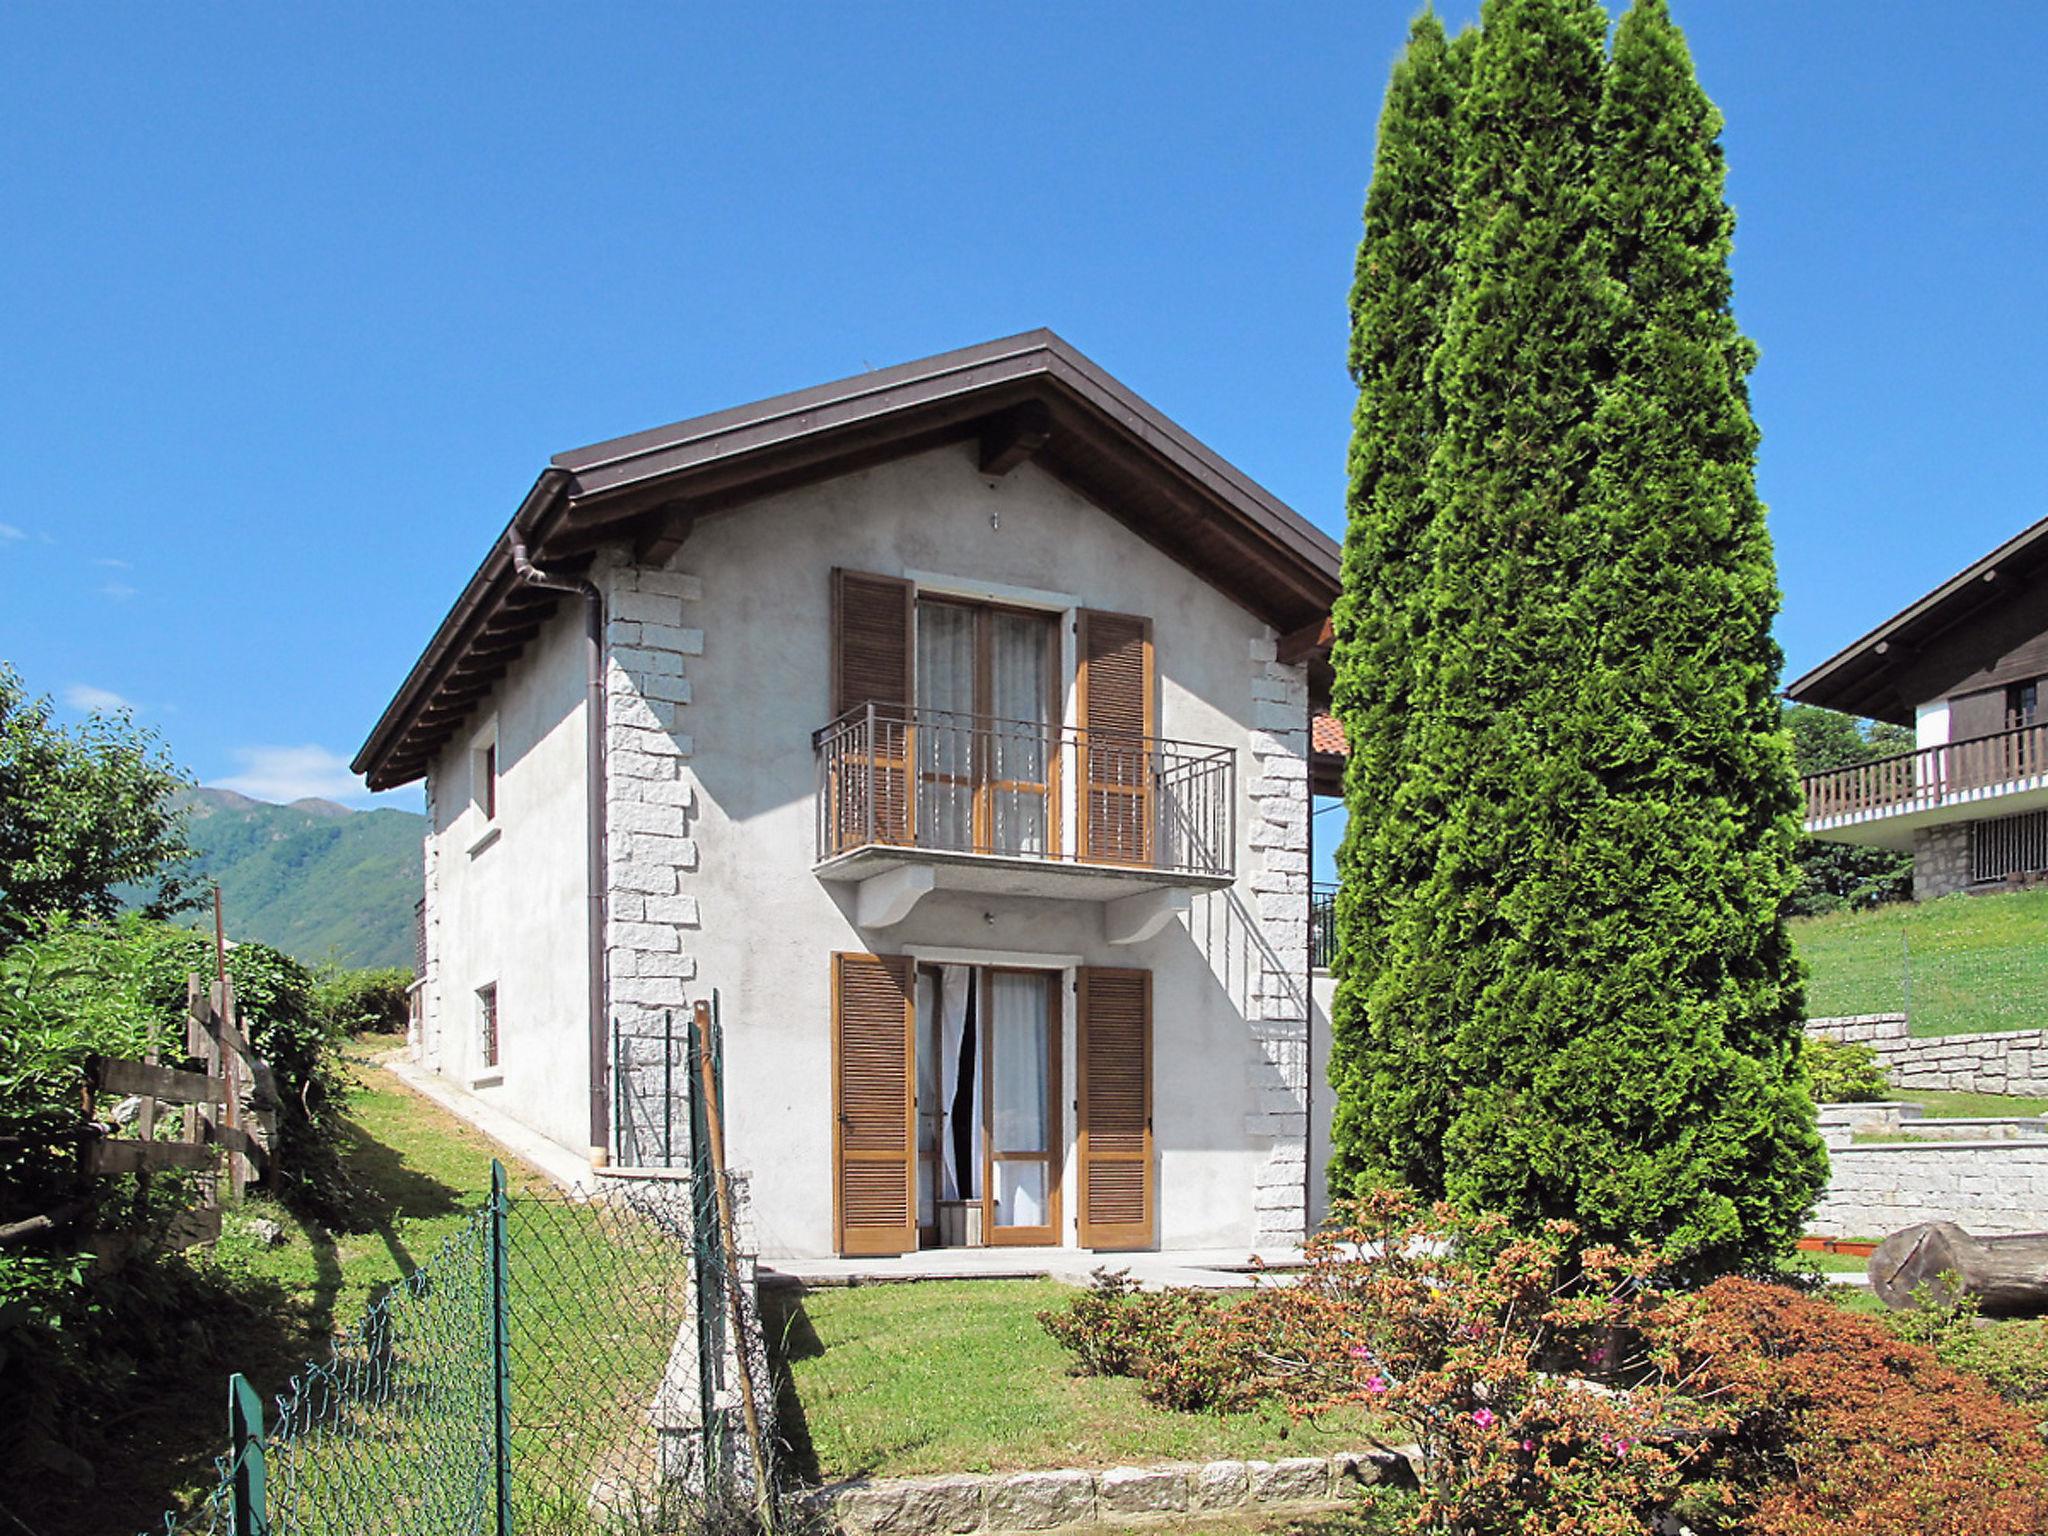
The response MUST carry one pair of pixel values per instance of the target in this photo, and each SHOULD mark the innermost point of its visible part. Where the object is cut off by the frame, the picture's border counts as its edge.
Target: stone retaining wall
(1036, 1501)
(2006, 1061)
(1993, 1188)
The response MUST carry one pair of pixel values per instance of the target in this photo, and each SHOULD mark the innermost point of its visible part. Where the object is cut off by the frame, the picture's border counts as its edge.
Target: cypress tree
(1695, 1102)
(1475, 788)
(1584, 1003)
(1398, 299)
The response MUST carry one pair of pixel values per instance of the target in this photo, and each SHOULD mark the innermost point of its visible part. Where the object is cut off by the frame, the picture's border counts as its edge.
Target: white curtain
(945, 736)
(1018, 678)
(954, 981)
(1017, 1051)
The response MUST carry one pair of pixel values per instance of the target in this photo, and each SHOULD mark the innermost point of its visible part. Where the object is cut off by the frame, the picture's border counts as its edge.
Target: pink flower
(1375, 1384)
(1528, 1445)
(1484, 1418)
(1359, 1352)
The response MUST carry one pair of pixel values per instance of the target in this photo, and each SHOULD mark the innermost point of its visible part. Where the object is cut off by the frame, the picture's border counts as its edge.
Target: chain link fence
(1957, 967)
(549, 1372)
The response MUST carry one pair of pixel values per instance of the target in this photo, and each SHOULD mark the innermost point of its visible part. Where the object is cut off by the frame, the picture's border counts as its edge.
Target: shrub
(2010, 1355)
(1839, 1425)
(1843, 1071)
(364, 1001)
(1466, 1332)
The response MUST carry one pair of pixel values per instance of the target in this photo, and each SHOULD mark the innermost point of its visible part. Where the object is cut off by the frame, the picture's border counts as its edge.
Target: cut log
(2008, 1276)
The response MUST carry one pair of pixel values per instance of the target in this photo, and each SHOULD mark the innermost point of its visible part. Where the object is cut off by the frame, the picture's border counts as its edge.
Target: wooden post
(707, 1068)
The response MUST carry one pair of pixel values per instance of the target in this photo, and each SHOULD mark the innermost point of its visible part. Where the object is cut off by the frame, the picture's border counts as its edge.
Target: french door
(987, 754)
(1020, 1085)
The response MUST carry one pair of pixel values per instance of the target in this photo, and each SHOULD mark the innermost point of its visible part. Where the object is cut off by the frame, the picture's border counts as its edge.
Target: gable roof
(1028, 396)
(1884, 675)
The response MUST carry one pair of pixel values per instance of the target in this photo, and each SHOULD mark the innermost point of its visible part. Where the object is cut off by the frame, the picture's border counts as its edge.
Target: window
(487, 1025)
(986, 683)
(486, 791)
(2022, 703)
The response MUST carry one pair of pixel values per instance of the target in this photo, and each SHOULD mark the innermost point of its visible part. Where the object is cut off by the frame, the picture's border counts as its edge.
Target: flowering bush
(1551, 1388)
(1840, 1425)
(1514, 1362)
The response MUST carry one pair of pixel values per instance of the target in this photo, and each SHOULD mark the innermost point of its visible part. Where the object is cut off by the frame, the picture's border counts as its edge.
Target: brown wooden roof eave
(1861, 678)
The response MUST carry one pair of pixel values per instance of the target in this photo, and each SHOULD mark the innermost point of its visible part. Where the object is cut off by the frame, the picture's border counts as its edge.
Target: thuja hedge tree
(1569, 989)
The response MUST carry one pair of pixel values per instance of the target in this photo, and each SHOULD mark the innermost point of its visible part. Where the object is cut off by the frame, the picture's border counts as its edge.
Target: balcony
(914, 801)
(1881, 803)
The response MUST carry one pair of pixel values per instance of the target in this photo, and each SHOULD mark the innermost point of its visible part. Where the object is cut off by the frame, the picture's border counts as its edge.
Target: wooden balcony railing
(959, 783)
(1933, 776)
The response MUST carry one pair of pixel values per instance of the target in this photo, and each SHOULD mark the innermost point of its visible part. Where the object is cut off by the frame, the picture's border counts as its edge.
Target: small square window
(487, 1024)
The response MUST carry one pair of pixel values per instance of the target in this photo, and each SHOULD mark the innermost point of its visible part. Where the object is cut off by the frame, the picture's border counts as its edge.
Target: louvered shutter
(873, 625)
(874, 1102)
(1116, 726)
(1115, 1122)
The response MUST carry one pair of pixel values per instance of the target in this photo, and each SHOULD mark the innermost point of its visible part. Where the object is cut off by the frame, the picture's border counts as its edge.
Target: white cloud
(119, 591)
(115, 565)
(9, 533)
(292, 773)
(88, 700)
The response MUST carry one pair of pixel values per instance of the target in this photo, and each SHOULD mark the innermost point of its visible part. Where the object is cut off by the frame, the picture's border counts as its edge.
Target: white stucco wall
(1224, 1022)
(718, 673)
(1322, 1098)
(509, 908)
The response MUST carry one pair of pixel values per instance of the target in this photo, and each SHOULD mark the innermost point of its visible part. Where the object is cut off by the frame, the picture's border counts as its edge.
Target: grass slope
(1956, 966)
(315, 879)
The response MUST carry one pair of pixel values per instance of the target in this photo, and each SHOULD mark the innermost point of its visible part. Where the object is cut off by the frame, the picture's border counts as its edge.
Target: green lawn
(1956, 966)
(957, 1375)
(1945, 1106)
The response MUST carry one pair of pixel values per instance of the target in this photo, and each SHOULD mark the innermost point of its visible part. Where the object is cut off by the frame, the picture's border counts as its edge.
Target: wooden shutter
(1116, 726)
(874, 1103)
(1115, 1121)
(873, 628)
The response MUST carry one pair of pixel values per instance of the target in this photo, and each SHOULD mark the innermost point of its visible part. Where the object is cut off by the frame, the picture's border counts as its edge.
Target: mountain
(313, 878)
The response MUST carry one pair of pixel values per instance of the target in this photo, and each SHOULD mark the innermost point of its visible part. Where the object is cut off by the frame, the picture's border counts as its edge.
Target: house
(950, 725)
(1965, 666)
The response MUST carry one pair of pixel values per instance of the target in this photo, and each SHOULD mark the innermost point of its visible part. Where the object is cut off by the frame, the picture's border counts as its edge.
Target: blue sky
(298, 299)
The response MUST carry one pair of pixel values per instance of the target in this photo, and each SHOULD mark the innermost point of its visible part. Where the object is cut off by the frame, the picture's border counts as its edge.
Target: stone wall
(650, 793)
(2004, 1061)
(1941, 861)
(1991, 1188)
(1035, 1501)
(1279, 882)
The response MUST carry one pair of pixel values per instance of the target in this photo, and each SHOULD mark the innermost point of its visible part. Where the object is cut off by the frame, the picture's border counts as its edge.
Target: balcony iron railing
(1322, 925)
(1932, 776)
(960, 783)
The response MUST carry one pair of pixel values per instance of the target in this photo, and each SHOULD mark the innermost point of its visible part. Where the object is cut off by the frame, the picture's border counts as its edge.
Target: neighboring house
(950, 723)
(1967, 667)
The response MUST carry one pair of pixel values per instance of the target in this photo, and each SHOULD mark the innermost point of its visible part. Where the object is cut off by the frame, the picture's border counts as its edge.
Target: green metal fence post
(245, 1450)
(501, 1348)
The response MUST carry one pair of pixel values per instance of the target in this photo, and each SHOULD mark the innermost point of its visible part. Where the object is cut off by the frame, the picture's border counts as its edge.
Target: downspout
(594, 807)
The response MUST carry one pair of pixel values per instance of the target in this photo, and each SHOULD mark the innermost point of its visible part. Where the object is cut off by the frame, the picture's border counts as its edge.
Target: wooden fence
(229, 1106)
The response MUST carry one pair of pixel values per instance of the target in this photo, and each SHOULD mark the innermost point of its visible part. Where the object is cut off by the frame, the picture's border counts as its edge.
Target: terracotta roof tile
(1326, 734)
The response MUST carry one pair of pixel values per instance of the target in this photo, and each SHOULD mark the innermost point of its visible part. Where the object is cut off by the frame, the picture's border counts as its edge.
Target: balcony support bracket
(1134, 919)
(884, 900)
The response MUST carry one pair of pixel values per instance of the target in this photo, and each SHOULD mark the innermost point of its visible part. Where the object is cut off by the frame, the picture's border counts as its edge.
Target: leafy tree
(1398, 302)
(1834, 876)
(82, 812)
(1588, 1004)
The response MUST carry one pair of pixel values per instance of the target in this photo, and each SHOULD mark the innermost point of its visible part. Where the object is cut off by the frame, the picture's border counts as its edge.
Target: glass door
(1020, 1107)
(987, 700)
